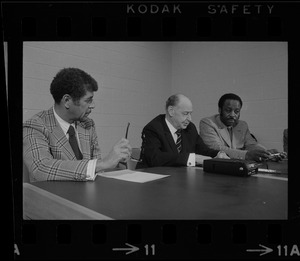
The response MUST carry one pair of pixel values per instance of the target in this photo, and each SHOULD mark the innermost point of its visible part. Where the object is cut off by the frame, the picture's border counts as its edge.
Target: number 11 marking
(147, 249)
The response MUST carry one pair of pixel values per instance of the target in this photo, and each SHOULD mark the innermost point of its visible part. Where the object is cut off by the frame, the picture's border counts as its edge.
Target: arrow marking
(264, 251)
(132, 249)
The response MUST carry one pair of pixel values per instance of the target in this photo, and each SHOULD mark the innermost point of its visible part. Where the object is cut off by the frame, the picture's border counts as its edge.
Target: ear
(219, 110)
(171, 111)
(66, 100)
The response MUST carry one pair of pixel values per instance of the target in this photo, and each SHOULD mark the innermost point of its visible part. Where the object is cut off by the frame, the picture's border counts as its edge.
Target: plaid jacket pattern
(47, 152)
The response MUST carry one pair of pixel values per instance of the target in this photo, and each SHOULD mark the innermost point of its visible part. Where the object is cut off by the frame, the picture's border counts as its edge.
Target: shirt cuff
(90, 172)
(191, 160)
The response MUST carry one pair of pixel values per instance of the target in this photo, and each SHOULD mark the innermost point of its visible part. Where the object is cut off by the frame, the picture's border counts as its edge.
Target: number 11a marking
(147, 249)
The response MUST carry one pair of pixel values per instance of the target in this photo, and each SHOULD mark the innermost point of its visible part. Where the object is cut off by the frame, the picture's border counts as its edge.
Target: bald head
(178, 111)
(176, 99)
(184, 101)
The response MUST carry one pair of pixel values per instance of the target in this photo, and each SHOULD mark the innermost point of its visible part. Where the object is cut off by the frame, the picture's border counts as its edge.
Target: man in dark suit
(171, 139)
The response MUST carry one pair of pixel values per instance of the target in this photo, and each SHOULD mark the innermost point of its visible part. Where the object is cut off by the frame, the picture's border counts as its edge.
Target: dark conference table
(188, 193)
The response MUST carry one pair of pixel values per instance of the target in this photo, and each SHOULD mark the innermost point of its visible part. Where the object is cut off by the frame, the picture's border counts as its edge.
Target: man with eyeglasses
(61, 143)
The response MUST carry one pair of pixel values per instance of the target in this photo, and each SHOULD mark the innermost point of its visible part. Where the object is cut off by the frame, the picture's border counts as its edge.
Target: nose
(232, 114)
(92, 105)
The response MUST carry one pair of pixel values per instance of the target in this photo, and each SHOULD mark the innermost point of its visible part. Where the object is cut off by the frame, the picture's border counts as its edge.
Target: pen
(269, 171)
(126, 135)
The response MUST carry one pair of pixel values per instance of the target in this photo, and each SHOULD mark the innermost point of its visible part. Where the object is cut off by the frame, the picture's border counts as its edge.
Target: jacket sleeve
(95, 149)
(250, 142)
(211, 138)
(154, 152)
(40, 162)
(203, 149)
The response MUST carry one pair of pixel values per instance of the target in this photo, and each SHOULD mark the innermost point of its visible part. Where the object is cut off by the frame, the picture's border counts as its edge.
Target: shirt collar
(170, 126)
(63, 124)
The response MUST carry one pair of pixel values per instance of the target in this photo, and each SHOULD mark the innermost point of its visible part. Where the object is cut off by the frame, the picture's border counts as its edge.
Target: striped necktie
(73, 142)
(178, 141)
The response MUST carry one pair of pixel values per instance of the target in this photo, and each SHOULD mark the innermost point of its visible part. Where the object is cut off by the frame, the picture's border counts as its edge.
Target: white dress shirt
(192, 158)
(91, 167)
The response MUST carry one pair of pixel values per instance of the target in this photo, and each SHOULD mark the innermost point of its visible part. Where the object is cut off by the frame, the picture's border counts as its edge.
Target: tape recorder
(235, 167)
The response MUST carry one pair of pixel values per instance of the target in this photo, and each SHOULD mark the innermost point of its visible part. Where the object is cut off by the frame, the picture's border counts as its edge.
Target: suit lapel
(225, 136)
(170, 140)
(237, 137)
(168, 134)
(84, 143)
(59, 136)
(234, 139)
(223, 131)
(63, 142)
(184, 140)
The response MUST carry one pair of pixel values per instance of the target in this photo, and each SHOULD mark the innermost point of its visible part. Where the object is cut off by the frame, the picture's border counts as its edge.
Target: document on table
(131, 175)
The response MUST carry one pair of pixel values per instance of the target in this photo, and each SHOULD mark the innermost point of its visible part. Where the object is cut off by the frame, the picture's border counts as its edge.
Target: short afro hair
(72, 81)
(229, 96)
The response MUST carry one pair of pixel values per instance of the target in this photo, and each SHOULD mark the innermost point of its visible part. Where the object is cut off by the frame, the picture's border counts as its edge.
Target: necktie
(230, 134)
(73, 142)
(178, 141)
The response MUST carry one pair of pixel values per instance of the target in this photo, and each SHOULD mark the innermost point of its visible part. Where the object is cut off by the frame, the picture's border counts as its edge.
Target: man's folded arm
(203, 149)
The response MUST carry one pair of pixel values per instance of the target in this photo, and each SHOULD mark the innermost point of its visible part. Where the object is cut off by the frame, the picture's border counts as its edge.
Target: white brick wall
(136, 78)
(133, 79)
(256, 71)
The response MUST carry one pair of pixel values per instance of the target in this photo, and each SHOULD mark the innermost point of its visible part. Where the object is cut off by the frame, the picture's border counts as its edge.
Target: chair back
(285, 140)
(252, 135)
(26, 178)
(136, 153)
(135, 157)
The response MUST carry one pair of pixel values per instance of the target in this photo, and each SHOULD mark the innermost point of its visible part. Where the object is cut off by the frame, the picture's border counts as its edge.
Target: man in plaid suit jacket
(47, 153)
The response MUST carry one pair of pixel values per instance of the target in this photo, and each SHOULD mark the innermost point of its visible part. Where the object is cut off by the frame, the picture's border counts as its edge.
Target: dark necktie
(178, 141)
(73, 142)
(230, 134)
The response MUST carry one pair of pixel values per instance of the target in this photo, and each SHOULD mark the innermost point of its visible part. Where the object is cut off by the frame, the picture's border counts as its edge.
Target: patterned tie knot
(71, 131)
(178, 132)
(178, 141)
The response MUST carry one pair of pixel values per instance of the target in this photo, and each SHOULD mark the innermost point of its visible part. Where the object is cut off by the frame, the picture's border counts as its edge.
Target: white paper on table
(133, 176)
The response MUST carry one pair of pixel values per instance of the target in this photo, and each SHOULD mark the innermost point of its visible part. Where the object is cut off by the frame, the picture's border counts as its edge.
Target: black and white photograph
(151, 129)
(161, 130)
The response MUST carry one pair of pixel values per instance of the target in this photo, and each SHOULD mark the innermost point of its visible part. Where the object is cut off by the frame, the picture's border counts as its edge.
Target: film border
(113, 21)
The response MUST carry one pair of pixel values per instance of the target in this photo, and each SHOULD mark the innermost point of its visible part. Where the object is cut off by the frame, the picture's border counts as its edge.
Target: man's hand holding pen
(120, 152)
(123, 150)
